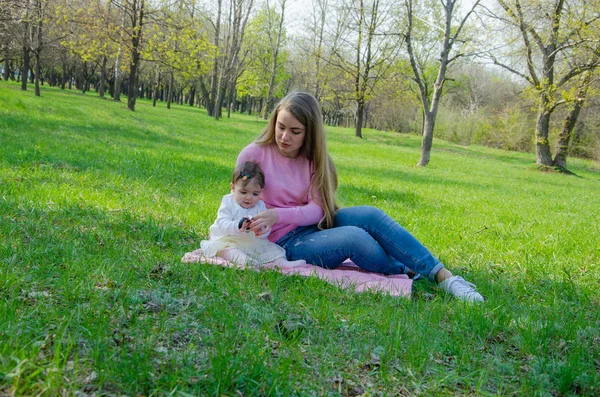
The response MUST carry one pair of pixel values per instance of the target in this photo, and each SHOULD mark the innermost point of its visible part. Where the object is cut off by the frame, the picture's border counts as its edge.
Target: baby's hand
(244, 224)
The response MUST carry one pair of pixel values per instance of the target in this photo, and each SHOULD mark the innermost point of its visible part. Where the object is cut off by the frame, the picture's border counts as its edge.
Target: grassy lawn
(99, 204)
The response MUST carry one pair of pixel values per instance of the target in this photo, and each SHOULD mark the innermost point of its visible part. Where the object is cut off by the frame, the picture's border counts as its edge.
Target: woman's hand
(261, 223)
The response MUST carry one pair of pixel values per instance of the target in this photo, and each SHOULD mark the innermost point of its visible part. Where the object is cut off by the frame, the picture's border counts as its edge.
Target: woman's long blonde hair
(306, 109)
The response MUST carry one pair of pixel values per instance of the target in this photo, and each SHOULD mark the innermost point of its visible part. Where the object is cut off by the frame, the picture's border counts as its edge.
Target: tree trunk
(430, 117)
(214, 82)
(138, 23)
(84, 78)
(170, 94)
(230, 97)
(562, 146)
(269, 102)
(102, 84)
(156, 84)
(118, 77)
(192, 97)
(6, 63)
(63, 83)
(25, 73)
(218, 111)
(38, 49)
(542, 127)
(26, 52)
(118, 74)
(322, 19)
(205, 96)
(37, 74)
(427, 142)
(360, 109)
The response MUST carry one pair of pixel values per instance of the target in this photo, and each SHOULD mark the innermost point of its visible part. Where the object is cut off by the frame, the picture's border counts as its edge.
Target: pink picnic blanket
(348, 275)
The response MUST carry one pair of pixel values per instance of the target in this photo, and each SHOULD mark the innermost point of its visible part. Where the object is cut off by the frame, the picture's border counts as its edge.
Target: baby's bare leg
(234, 255)
(285, 262)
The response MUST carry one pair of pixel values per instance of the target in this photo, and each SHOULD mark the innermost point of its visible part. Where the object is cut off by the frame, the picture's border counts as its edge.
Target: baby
(230, 237)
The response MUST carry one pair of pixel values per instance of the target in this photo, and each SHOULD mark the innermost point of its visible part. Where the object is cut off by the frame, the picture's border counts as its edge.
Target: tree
(360, 50)
(87, 26)
(430, 92)
(551, 35)
(257, 56)
(214, 81)
(119, 59)
(308, 53)
(275, 36)
(319, 17)
(26, 43)
(39, 10)
(576, 103)
(11, 14)
(137, 23)
(230, 69)
(177, 45)
(135, 14)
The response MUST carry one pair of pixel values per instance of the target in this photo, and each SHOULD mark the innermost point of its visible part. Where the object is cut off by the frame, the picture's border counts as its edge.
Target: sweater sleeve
(301, 215)
(225, 222)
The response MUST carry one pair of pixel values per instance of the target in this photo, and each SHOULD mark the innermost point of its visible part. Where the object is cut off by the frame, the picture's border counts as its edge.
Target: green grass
(99, 204)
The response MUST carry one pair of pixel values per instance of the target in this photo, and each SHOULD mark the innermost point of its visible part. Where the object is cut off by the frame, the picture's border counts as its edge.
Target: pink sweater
(287, 183)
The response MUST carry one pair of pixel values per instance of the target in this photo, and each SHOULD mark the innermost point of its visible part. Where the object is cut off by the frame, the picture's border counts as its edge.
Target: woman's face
(289, 134)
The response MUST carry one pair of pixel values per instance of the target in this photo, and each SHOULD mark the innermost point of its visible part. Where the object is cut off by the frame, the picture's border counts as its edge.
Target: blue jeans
(366, 235)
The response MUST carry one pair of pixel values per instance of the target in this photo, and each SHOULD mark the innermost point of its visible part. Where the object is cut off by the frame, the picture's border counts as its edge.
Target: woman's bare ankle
(442, 275)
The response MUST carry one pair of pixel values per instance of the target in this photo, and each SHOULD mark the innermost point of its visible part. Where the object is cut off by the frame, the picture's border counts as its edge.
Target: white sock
(285, 262)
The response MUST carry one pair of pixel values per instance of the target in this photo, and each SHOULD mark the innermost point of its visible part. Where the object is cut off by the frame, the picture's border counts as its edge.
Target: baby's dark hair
(247, 172)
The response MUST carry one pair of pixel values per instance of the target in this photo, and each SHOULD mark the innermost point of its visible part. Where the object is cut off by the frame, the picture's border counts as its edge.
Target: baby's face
(246, 196)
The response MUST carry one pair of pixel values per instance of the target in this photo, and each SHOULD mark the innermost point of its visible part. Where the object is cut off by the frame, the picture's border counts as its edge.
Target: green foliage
(98, 205)
(396, 107)
(259, 47)
(508, 128)
(94, 31)
(178, 42)
(585, 143)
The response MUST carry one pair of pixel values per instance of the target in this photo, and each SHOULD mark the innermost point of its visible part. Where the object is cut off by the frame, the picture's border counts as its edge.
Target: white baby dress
(224, 234)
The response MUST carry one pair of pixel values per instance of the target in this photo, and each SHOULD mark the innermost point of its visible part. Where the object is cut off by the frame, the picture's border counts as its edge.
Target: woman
(300, 184)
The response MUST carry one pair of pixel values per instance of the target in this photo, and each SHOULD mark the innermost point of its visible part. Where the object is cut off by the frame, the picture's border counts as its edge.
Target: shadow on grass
(139, 154)
(351, 195)
(400, 178)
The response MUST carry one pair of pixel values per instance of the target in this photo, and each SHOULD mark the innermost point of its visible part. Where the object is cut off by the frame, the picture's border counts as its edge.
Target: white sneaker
(461, 289)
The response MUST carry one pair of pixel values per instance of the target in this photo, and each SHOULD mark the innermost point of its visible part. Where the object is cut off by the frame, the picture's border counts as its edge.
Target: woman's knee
(341, 243)
(353, 235)
(343, 239)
